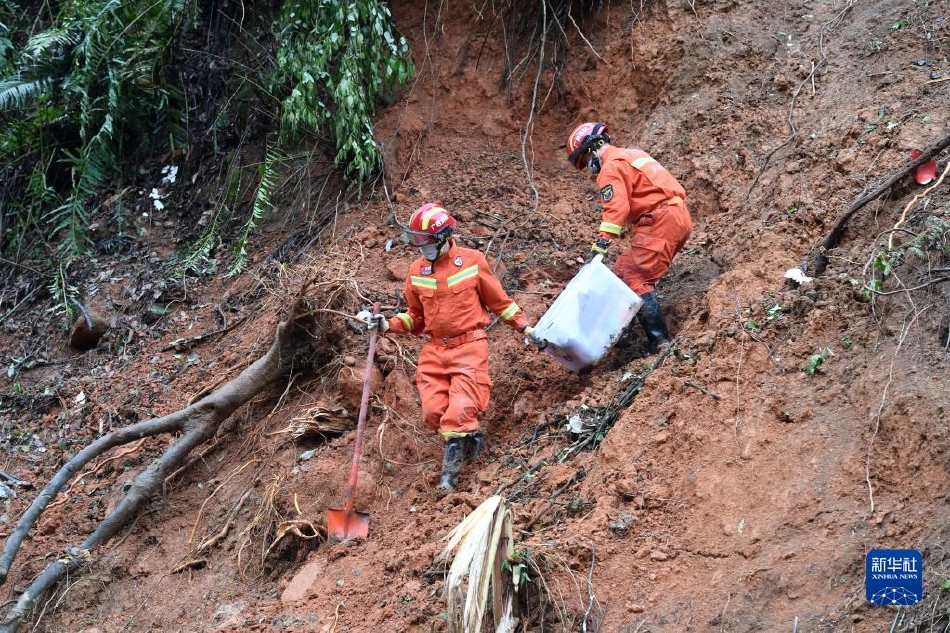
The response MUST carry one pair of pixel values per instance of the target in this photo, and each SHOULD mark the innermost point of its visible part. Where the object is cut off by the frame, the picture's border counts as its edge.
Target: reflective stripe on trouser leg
(652, 249)
(432, 380)
(469, 389)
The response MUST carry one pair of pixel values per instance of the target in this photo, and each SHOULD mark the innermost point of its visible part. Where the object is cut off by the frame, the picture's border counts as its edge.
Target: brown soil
(747, 506)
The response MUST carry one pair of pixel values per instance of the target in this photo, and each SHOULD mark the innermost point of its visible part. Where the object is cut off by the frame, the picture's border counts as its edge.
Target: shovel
(346, 524)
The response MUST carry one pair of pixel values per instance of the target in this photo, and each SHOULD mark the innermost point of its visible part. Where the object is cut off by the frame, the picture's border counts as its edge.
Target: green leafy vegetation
(815, 361)
(96, 96)
(927, 254)
(79, 92)
(332, 54)
(262, 204)
(519, 566)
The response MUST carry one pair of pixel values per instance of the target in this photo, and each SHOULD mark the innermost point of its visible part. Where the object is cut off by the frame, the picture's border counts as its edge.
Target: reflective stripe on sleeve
(643, 160)
(406, 319)
(509, 312)
(613, 229)
(457, 278)
(423, 282)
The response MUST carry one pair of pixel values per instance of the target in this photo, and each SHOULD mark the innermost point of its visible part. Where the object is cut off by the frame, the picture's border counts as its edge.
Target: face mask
(431, 251)
(594, 164)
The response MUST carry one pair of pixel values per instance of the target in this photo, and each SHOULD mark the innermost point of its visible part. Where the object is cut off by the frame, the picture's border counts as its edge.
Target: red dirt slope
(738, 492)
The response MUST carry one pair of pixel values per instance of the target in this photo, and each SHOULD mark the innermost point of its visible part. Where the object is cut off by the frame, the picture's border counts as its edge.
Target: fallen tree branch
(118, 437)
(197, 423)
(837, 229)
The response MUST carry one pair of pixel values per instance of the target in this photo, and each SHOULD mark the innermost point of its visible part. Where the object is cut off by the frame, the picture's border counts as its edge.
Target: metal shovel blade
(343, 526)
(346, 524)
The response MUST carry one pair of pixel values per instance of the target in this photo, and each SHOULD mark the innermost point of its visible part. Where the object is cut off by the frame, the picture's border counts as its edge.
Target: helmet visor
(419, 238)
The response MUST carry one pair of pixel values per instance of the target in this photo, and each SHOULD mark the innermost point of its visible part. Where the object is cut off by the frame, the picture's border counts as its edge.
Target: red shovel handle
(361, 425)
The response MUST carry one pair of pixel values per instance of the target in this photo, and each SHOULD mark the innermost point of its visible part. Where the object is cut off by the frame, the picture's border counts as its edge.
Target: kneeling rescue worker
(635, 190)
(446, 293)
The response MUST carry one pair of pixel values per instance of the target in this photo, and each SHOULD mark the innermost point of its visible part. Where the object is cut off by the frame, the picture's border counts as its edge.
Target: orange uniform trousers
(660, 235)
(454, 385)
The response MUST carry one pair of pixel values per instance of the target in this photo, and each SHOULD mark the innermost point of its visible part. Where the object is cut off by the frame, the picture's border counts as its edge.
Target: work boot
(474, 445)
(653, 321)
(452, 464)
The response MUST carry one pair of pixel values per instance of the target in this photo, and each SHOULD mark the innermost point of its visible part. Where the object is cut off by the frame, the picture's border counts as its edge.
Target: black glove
(531, 339)
(599, 247)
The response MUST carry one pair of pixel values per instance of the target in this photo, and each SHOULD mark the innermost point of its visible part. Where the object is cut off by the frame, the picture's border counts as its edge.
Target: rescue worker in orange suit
(446, 292)
(634, 189)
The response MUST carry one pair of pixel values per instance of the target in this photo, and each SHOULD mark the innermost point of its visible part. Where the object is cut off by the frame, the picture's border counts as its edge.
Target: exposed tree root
(196, 424)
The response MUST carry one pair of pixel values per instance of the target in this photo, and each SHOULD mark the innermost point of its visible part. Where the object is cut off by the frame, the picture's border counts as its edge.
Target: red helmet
(585, 138)
(429, 224)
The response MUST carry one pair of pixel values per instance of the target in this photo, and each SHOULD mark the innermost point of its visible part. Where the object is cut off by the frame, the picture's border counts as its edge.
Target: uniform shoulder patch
(458, 261)
(426, 270)
(607, 192)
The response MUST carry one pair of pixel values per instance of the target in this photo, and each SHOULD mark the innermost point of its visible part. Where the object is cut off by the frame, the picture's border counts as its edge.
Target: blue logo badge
(426, 270)
(894, 576)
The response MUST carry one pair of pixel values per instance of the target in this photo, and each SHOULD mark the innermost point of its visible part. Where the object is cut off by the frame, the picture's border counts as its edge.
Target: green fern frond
(262, 204)
(97, 74)
(197, 259)
(17, 93)
(45, 40)
(66, 295)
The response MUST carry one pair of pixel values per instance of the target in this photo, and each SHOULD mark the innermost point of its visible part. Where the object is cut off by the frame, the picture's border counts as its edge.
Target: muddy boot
(452, 464)
(474, 445)
(653, 322)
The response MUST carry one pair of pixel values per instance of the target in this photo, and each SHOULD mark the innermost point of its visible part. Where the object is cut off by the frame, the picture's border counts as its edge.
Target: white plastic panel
(588, 316)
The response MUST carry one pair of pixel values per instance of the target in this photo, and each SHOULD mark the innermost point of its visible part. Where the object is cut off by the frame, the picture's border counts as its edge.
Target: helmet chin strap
(593, 165)
(433, 252)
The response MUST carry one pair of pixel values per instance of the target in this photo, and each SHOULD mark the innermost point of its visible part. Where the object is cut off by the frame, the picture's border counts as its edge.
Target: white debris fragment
(796, 275)
(170, 174)
(575, 425)
(156, 197)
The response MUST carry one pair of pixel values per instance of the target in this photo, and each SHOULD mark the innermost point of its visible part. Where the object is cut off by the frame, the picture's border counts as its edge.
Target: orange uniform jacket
(636, 189)
(632, 183)
(447, 298)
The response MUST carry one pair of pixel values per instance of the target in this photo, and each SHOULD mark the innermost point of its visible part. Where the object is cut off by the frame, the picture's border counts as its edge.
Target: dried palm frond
(479, 546)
